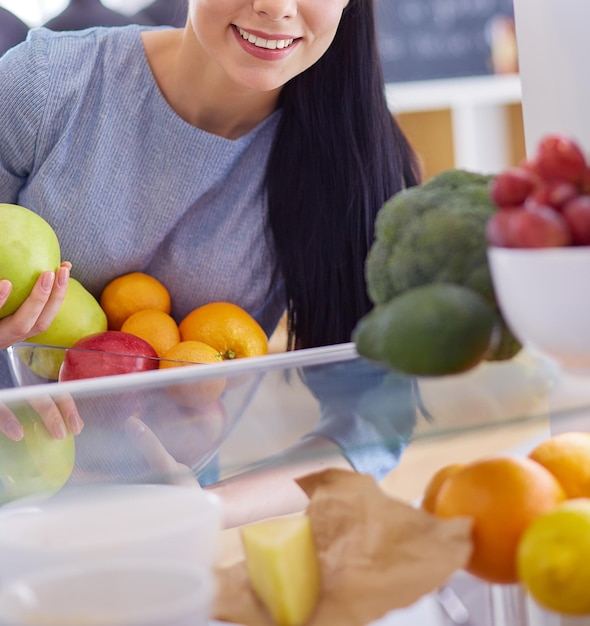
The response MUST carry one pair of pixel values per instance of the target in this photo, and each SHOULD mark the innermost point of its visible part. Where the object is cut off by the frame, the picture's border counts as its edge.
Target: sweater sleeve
(367, 410)
(23, 85)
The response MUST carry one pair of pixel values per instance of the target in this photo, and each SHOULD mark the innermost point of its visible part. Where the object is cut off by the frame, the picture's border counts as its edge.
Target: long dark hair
(337, 157)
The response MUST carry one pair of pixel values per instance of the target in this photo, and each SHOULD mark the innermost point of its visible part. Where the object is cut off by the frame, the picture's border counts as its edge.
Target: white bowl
(114, 521)
(544, 297)
(118, 592)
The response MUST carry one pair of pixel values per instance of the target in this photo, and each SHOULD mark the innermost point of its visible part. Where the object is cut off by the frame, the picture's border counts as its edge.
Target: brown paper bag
(376, 554)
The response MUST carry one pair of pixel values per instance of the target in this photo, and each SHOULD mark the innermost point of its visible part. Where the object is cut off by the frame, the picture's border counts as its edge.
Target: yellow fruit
(226, 327)
(283, 568)
(197, 394)
(435, 483)
(554, 558)
(567, 457)
(503, 496)
(130, 293)
(158, 328)
(189, 353)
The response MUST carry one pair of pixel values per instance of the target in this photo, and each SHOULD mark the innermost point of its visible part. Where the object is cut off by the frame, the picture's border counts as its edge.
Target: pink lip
(265, 53)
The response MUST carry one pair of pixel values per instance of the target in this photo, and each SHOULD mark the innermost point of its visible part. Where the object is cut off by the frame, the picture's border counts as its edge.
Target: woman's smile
(266, 41)
(265, 46)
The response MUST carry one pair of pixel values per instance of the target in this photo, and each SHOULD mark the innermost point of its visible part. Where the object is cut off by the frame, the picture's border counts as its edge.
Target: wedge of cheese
(283, 567)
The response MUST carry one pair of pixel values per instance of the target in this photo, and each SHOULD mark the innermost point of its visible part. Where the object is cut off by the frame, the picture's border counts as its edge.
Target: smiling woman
(240, 158)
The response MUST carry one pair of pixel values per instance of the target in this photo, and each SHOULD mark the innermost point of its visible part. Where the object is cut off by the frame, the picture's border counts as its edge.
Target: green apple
(79, 315)
(28, 247)
(38, 464)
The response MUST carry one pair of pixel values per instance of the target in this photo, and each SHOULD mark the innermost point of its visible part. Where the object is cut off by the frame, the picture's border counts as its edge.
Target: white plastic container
(119, 592)
(175, 523)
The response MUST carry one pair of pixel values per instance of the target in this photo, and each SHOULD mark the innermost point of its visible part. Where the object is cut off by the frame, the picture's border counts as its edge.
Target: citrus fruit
(227, 327)
(435, 483)
(554, 558)
(190, 352)
(156, 327)
(130, 293)
(567, 457)
(196, 394)
(432, 330)
(502, 495)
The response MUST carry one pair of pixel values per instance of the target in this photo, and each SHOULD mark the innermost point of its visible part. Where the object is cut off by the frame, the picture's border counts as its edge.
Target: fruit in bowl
(539, 250)
(545, 201)
(107, 353)
(187, 416)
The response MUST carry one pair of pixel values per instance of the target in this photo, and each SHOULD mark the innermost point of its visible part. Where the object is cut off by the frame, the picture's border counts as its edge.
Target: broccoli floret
(439, 192)
(435, 232)
(456, 179)
(444, 245)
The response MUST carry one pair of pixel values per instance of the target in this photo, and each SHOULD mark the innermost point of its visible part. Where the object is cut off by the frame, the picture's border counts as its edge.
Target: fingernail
(76, 423)
(5, 287)
(59, 430)
(134, 427)
(62, 276)
(47, 279)
(14, 430)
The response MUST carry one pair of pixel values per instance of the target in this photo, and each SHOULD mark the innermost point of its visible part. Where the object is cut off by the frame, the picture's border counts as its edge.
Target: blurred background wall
(38, 12)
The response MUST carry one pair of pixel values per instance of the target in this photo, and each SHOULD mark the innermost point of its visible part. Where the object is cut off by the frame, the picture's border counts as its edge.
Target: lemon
(553, 558)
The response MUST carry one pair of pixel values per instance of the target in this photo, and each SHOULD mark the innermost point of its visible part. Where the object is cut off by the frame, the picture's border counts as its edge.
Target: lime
(553, 558)
(432, 330)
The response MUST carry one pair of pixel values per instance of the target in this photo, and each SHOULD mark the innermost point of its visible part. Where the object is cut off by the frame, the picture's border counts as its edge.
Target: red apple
(107, 353)
(539, 227)
(553, 193)
(511, 187)
(577, 215)
(560, 158)
(501, 226)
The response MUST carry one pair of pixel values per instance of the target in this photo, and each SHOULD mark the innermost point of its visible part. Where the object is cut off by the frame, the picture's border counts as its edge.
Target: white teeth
(270, 44)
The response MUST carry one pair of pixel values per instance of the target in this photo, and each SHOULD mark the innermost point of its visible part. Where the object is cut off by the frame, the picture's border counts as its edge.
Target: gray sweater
(88, 142)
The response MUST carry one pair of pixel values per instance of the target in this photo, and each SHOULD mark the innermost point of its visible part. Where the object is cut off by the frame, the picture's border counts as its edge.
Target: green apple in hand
(79, 315)
(28, 247)
(38, 464)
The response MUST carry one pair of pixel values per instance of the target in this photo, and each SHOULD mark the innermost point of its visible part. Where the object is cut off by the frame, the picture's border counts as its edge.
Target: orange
(156, 327)
(567, 457)
(227, 327)
(502, 496)
(195, 394)
(130, 293)
(435, 483)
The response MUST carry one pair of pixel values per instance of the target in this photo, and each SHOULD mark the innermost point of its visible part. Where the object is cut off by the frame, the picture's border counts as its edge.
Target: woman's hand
(37, 312)
(161, 462)
(59, 415)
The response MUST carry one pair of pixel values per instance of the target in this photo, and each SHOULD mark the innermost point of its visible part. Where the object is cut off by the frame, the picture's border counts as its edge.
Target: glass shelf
(379, 416)
(271, 402)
